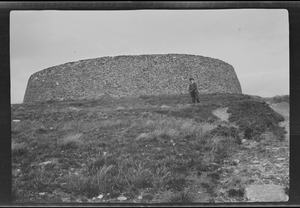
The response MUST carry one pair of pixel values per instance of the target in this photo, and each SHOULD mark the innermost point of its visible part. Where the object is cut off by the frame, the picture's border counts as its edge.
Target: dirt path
(222, 113)
(270, 163)
(259, 165)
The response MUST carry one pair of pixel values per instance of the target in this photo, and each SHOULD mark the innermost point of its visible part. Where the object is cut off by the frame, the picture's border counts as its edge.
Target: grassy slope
(135, 148)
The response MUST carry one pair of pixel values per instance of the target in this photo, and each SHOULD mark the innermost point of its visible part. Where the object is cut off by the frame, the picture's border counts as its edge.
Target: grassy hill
(150, 149)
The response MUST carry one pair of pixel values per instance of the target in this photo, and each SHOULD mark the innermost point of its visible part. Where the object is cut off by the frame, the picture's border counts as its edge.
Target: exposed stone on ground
(265, 193)
(165, 106)
(74, 109)
(120, 108)
(122, 198)
(244, 141)
(45, 163)
(250, 144)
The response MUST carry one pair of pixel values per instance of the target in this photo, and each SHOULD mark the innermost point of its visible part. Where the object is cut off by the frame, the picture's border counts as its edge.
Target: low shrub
(198, 113)
(281, 98)
(254, 118)
(224, 131)
(221, 147)
(236, 192)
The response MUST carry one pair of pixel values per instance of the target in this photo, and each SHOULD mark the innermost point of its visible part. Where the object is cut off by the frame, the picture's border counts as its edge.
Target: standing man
(193, 90)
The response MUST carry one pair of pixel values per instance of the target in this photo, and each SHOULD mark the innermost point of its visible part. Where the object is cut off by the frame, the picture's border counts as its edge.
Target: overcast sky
(254, 41)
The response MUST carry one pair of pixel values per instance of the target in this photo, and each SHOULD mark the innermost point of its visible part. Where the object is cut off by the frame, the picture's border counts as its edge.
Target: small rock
(251, 144)
(244, 140)
(45, 163)
(100, 196)
(165, 106)
(142, 136)
(255, 161)
(265, 193)
(65, 199)
(74, 109)
(42, 193)
(140, 197)
(236, 171)
(16, 120)
(280, 158)
(122, 198)
(120, 108)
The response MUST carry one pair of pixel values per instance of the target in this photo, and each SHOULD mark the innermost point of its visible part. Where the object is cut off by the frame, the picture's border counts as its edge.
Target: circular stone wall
(121, 76)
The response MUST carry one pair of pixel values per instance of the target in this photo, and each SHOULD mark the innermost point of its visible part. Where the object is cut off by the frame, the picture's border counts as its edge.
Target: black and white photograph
(150, 106)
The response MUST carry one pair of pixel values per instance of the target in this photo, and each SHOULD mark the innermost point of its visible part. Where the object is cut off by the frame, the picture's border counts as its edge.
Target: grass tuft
(184, 196)
(89, 185)
(71, 141)
(175, 128)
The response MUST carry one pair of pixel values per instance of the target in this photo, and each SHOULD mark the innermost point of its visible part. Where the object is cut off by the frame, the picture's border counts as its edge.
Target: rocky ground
(265, 162)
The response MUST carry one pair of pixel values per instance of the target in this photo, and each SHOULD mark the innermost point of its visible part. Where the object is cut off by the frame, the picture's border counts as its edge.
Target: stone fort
(130, 76)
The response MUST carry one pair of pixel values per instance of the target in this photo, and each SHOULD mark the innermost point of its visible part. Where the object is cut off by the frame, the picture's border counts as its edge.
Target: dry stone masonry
(123, 76)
